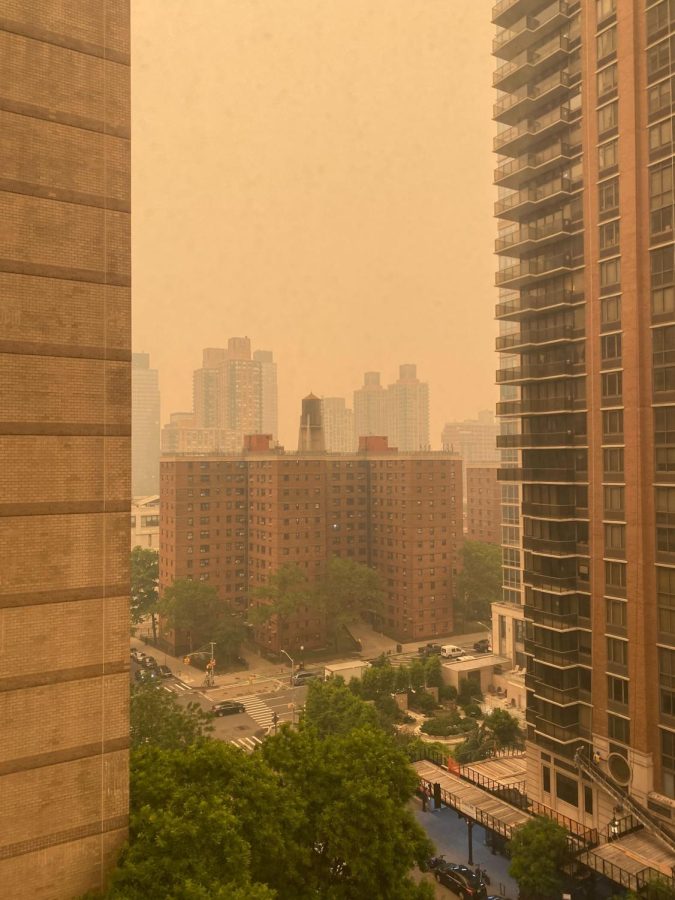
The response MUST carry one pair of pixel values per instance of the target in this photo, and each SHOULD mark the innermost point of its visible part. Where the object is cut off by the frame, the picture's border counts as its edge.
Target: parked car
(303, 677)
(429, 650)
(452, 651)
(462, 880)
(228, 708)
(164, 671)
(149, 662)
(146, 676)
(482, 646)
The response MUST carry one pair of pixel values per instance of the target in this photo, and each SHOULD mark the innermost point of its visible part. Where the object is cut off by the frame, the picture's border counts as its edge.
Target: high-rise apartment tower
(65, 426)
(587, 313)
(145, 426)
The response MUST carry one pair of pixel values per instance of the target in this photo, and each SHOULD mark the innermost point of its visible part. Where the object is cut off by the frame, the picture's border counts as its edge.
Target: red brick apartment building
(483, 504)
(232, 520)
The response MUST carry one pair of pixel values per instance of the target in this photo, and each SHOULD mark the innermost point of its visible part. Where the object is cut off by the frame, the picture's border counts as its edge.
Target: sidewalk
(374, 642)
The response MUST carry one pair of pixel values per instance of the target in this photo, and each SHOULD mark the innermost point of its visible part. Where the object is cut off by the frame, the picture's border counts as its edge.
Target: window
(663, 300)
(667, 681)
(588, 799)
(664, 438)
(613, 461)
(604, 9)
(665, 519)
(612, 423)
(660, 135)
(607, 81)
(618, 728)
(615, 613)
(665, 599)
(668, 762)
(608, 117)
(614, 498)
(615, 575)
(611, 386)
(546, 779)
(617, 690)
(606, 43)
(609, 235)
(615, 538)
(658, 18)
(609, 195)
(661, 204)
(133, 521)
(658, 98)
(610, 346)
(610, 273)
(608, 155)
(610, 310)
(658, 58)
(617, 651)
(566, 789)
(663, 355)
(149, 521)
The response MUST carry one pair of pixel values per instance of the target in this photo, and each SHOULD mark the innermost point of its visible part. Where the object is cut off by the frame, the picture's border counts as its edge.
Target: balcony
(525, 100)
(555, 369)
(534, 303)
(524, 202)
(560, 659)
(524, 67)
(512, 173)
(533, 440)
(550, 510)
(537, 337)
(554, 584)
(513, 141)
(529, 30)
(547, 476)
(529, 270)
(553, 548)
(525, 238)
(506, 12)
(567, 622)
(559, 696)
(563, 734)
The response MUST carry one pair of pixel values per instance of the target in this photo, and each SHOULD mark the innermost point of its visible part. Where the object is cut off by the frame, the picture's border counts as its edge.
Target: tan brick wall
(71, 313)
(60, 552)
(85, 20)
(38, 155)
(39, 469)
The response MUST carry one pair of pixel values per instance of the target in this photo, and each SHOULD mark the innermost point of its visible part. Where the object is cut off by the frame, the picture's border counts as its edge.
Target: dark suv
(462, 880)
(482, 646)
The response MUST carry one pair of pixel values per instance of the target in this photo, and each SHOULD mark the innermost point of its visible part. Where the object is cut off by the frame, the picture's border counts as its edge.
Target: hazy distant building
(145, 522)
(145, 426)
(311, 437)
(206, 388)
(338, 425)
(371, 408)
(474, 439)
(483, 503)
(408, 402)
(65, 445)
(269, 401)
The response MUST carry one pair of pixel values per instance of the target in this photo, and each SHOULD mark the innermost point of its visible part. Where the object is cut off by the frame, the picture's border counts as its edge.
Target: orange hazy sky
(316, 174)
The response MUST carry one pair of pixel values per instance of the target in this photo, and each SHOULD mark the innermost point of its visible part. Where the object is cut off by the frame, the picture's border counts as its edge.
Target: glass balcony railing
(527, 338)
(529, 269)
(524, 66)
(513, 140)
(529, 29)
(513, 172)
(524, 100)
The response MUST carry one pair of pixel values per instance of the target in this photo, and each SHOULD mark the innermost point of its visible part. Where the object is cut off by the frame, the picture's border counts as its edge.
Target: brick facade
(483, 504)
(64, 442)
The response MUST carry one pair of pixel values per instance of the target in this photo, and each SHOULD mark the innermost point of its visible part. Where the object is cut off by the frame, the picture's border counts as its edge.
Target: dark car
(462, 880)
(430, 650)
(164, 671)
(227, 708)
(149, 662)
(146, 676)
(482, 646)
(302, 677)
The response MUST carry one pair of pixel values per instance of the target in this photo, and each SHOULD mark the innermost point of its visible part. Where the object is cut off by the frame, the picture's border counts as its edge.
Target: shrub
(421, 701)
(447, 692)
(473, 711)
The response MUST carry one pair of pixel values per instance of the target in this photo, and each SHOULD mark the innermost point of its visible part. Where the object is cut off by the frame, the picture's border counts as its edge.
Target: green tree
(334, 710)
(433, 672)
(144, 581)
(355, 784)
(480, 582)
(539, 853)
(157, 719)
(228, 634)
(193, 609)
(503, 729)
(345, 591)
(284, 593)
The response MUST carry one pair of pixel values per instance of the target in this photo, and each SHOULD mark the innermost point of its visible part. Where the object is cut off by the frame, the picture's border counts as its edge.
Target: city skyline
(335, 211)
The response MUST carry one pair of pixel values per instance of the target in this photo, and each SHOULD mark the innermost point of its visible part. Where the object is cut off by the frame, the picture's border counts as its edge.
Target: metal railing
(510, 793)
(588, 835)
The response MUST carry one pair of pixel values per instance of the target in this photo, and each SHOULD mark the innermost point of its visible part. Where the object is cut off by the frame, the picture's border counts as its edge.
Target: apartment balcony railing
(554, 548)
(528, 270)
(506, 12)
(561, 659)
(566, 622)
(554, 369)
(513, 141)
(566, 697)
(529, 302)
(550, 510)
(546, 476)
(556, 584)
(533, 440)
(524, 67)
(512, 173)
(521, 203)
(529, 29)
(524, 238)
(563, 734)
(534, 338)
(526, 99)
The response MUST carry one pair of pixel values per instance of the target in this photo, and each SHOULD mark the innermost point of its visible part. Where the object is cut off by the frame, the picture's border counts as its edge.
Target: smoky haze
(316, 174)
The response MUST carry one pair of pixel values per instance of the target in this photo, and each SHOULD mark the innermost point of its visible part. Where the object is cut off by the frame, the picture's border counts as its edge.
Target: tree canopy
(198, 615)
(157, 719)
(144, 581)
(539, 852)
(480, 582)
(318, 811)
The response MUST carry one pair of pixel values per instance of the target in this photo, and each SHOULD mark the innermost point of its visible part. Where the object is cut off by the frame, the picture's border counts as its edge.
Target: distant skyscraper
(268, 374)
(371, 408)
(338, 425)
(145, 426)
(65, 445)
(409, 411)
(474, 439)
(206, 386)
(311, 436)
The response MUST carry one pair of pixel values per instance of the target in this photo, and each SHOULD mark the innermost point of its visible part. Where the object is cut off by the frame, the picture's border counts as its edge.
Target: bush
(440, 726)
(473, 710)
(421, 701)
(447, 692)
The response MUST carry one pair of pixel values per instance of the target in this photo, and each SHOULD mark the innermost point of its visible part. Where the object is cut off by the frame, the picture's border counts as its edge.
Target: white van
(450, 651)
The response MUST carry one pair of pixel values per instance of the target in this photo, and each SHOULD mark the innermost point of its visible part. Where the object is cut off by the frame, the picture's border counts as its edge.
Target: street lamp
(291, 662)
(302, 656)
(613, 828)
